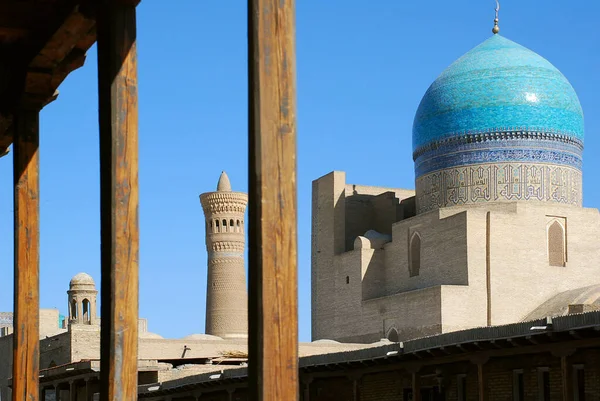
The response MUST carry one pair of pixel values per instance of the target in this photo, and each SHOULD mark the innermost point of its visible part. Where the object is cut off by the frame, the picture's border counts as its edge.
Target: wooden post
(481, 382)
(118, 117)
(72, 390)
(416, 386)
(26, 353)
(89, 393)
(273, 304)
(566, 378)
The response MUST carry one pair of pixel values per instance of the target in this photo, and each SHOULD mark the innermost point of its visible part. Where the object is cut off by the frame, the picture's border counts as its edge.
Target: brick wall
(381, 387)
(332, 389)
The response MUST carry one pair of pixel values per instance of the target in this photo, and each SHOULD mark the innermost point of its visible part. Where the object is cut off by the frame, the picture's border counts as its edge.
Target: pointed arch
(414, 255)
(73, 309)
(556, 244)
(392, 335)
(86, 311)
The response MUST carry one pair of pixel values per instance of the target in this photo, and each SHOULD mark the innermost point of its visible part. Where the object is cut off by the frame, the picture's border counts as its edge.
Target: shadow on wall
(373, 212)
(373, 283)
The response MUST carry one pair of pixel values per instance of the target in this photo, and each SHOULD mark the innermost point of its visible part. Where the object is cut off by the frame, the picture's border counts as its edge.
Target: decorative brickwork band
(501, 182)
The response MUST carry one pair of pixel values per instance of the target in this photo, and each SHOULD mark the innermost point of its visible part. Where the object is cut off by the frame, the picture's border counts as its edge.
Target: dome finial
(496, 28)
(224, 184)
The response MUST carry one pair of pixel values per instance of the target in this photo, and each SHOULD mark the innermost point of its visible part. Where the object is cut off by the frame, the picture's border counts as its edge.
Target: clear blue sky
(362, 68)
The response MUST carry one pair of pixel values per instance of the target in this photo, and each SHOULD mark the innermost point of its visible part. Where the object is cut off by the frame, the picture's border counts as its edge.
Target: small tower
(226, 294)
(82, 299)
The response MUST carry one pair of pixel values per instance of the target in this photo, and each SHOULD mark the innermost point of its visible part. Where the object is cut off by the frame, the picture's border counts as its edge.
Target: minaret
(226, 294)
(82, 300)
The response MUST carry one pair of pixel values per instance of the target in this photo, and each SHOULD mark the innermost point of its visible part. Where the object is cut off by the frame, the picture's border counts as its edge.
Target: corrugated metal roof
(400, 351)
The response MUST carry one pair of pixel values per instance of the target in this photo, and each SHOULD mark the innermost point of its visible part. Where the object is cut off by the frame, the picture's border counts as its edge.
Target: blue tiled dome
(500, 124)
(498, 85)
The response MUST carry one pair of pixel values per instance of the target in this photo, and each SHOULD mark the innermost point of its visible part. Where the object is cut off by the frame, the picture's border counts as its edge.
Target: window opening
(556, 244)
(73, 309)
(415, 255)
(543, 384)
(578, 383)
(393, 335)
(462, 387)
(86, 310)
(518, 386)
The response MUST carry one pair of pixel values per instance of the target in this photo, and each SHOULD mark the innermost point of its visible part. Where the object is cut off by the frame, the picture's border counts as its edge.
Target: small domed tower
(82, 299)
(226, 294)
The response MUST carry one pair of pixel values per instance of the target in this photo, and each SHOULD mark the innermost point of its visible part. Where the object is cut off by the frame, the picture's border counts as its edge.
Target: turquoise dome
(499, 124)
(498, 85)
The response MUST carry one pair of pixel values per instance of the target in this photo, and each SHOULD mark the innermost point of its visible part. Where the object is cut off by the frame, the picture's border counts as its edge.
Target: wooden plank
(273, 304)
(118, 116)
(26, 353)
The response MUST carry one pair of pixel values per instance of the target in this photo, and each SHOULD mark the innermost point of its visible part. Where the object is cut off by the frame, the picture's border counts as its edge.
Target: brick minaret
(226, 294)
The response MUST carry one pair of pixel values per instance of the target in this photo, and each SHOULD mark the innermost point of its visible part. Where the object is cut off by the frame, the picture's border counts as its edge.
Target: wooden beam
(273, 303)
(6, 132)
(26, 353)
(118, 118)
(75, 26)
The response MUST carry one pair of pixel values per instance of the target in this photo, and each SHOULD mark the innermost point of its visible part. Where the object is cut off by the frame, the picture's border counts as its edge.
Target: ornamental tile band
(510, 134)
(533, 151)
(499, 183)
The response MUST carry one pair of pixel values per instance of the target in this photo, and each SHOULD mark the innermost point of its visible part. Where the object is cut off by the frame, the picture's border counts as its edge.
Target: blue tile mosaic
(462, 153)
(498, 86)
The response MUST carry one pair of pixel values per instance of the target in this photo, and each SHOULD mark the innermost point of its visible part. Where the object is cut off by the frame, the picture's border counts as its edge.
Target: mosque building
(494, 232)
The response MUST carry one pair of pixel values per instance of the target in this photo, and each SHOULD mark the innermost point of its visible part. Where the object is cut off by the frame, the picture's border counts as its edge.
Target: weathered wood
(6, 132)
(273, 304)
(26, 353)
(50, 41)
(118, 105)
(62, 53)
(63, 41)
